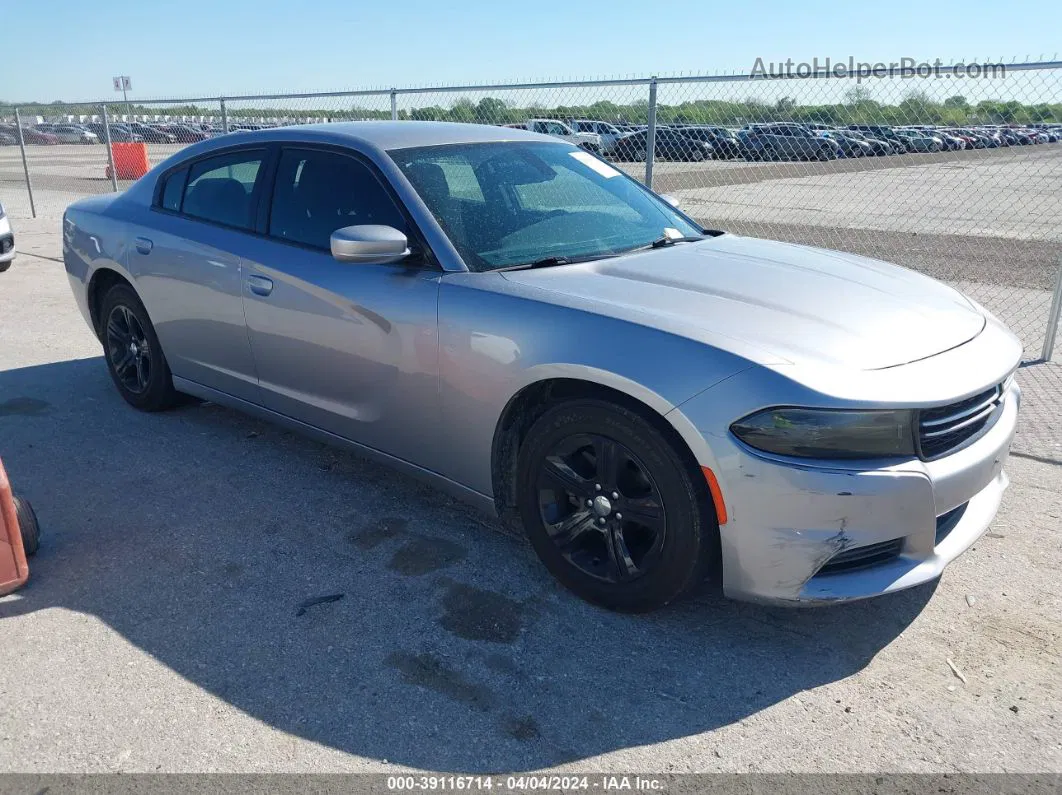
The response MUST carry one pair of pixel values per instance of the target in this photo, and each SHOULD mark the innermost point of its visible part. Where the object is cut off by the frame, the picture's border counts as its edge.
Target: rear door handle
(143, 245)
(260, 285)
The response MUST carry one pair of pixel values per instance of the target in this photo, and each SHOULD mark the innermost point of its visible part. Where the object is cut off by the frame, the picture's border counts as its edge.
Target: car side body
(437, 369)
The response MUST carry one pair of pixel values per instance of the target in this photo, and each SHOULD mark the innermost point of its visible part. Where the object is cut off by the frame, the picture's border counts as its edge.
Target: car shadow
(219, 545)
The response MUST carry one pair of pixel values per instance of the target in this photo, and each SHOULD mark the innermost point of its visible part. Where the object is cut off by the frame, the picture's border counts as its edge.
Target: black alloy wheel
(614, 505)
(133, 353)
(127, 350)
(601, 507)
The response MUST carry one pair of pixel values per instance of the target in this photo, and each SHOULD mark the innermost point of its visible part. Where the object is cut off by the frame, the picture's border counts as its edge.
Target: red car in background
(30, 135)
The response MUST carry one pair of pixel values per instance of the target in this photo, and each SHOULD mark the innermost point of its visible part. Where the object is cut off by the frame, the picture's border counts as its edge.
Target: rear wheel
(612, 509)
(134, 357)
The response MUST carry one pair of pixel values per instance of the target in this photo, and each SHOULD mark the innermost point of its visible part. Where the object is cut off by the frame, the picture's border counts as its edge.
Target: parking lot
(168, 624)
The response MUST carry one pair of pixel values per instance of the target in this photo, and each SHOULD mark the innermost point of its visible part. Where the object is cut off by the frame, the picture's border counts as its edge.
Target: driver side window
(318, 192)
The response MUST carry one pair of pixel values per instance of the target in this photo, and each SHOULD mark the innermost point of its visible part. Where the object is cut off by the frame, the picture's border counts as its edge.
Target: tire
(124, 321)
(616, 562)
(27, 525)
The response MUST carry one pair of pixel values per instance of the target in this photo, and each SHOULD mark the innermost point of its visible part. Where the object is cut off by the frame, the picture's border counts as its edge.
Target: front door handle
(143, 245)
(260, 285)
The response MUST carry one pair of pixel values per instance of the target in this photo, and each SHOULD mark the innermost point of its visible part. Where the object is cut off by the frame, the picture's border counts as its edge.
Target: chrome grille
(944, 429)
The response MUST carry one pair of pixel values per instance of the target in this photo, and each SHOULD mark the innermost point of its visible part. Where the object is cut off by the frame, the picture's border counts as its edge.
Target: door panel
(349, 348)
(190, 281)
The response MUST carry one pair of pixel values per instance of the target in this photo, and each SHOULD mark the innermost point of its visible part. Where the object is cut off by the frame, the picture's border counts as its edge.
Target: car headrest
(221, 199)
(429, 179)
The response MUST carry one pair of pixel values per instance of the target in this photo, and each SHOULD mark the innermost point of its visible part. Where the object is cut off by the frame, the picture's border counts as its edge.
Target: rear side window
(219, 189)
(172, 190)
(318, 192)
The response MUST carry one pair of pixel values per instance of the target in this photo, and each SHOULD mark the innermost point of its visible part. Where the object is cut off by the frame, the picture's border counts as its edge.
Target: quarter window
(172, 190)
(318, 192)
(219, 189)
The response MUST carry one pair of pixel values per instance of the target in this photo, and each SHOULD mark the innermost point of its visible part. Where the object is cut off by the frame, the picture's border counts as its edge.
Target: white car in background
(558, 129)
(608, 133)
(7, 241)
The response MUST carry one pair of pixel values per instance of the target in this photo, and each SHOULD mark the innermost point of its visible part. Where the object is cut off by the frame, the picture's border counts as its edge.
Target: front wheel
(134, 356)
(612, 509)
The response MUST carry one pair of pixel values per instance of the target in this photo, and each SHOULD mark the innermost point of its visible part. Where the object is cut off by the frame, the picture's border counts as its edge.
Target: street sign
(123, 83)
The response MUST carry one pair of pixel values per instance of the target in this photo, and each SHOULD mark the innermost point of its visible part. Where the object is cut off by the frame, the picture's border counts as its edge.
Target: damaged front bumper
(810, 534)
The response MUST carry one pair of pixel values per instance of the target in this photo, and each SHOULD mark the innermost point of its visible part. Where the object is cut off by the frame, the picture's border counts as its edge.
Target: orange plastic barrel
(14, 571)
(130, 160)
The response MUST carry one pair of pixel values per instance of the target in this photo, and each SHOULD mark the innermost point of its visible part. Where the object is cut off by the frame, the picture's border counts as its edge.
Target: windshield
(514, 203)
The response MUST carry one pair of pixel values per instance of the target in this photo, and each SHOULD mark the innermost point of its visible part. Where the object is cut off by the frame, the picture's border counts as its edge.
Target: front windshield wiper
(667, 240)
(549, 262)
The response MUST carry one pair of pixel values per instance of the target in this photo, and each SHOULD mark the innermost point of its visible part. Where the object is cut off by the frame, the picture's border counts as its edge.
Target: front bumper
(787, 520)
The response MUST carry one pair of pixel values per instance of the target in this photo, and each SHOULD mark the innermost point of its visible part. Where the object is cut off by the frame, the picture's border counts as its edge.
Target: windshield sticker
(601, 167)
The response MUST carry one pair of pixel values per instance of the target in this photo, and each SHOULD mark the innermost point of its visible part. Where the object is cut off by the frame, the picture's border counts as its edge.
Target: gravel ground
(161, 629)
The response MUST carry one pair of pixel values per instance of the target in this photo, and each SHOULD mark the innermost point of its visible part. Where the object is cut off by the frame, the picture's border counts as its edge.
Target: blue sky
(67, 50)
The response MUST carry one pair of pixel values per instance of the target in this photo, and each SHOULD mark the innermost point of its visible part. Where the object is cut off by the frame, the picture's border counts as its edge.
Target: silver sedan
(510, 317)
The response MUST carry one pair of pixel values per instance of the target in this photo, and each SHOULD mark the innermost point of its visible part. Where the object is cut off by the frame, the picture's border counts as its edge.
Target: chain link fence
(954, 171)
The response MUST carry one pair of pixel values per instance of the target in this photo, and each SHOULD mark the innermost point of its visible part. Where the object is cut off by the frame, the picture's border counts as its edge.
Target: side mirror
(369, 243)
(672, 200)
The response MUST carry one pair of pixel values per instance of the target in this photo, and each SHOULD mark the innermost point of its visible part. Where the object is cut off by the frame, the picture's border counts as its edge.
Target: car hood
(802, 305)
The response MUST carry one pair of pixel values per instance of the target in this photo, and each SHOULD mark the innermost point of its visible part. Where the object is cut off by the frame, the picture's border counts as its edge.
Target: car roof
(390, 134)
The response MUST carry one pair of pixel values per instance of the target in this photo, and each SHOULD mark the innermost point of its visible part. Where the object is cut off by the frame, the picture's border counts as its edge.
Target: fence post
(1053, 317)
(650, 135)
(394, 105)
(25, 165)
(110, 149)
(224, 116)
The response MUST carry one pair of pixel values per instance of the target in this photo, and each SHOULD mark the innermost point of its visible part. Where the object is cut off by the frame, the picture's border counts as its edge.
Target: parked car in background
(782, 141)
(885, 133)
(670, 145)
(724, 143)
(878, 147)
(558, 129)
(150, 134)
(969, 141)
(850, 145)
(30, 135)
(520, 323)
(183, 133)
(70, 133)
(119, 133)
(920, 141)
(7, 241)
(951, 143)
(7, 139)
(608, 133)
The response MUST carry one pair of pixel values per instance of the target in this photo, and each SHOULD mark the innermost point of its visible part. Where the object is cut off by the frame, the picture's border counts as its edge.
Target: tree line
(858, 107)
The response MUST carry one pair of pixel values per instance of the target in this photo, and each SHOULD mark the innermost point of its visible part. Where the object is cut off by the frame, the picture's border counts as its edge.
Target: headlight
(828, 433)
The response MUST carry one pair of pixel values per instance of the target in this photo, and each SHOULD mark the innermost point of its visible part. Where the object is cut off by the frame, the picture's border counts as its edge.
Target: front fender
(495, 345)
